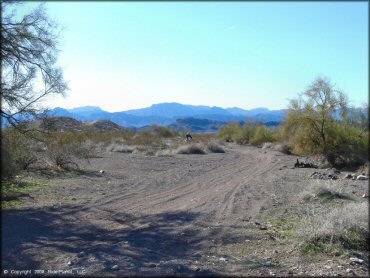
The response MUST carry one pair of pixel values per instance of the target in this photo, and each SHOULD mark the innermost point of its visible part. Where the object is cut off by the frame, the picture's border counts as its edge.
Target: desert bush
(164, 131)
(249, 133)
(214, 147)
(282, 147)
(146, 138)
(63, 149)
(324, 190)
(191, 149)
(261, 135)
(244, 134)
(229, 132)
(338, 228)
(18, 152)
(320, 122)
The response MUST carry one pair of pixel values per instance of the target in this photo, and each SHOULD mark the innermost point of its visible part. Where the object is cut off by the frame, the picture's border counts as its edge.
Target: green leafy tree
(320, 121)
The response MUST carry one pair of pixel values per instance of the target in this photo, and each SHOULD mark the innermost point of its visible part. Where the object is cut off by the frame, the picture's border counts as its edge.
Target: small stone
(197, 269)
(263, 227)
(222, 259)
(327, 266)
(115, 267)
(348, 270)
(101, 171)
(268, 263)
(357, 260)
(362, 177)
(348, 176)
(70, 263)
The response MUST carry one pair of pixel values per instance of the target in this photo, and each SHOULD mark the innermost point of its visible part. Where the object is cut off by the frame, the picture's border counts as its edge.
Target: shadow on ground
(156, 244)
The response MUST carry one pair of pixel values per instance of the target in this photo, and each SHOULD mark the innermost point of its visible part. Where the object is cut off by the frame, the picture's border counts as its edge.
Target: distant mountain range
(174, 114)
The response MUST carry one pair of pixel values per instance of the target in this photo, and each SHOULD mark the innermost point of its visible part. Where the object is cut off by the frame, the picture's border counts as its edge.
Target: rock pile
(323, 176)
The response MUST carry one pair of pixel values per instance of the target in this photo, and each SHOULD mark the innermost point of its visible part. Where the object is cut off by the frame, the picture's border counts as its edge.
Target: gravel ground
(187, 215)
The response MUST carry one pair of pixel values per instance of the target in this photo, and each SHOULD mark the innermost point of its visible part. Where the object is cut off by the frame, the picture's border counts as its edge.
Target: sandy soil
(188, 215)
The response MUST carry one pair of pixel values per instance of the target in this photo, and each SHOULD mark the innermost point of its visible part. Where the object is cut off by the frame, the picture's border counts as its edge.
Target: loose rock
(115, 267)
(263, 227)
(362, 177)
(356, 260)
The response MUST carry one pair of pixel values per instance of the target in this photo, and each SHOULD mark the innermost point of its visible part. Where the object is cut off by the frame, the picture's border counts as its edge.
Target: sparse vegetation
(324, 190)
(338, 229)
(249, 133)
(320, 122)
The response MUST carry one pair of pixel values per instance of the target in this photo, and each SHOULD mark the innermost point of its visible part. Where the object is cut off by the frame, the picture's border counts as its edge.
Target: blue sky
(124, 55)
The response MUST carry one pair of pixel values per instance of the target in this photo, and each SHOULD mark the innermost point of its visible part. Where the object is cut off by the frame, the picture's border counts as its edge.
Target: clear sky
(125, 55)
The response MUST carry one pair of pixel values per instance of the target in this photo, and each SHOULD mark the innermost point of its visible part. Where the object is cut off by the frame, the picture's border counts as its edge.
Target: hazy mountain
(86, 110)
(197, 125)
(169, 113)
(176, 110)
(250, 113)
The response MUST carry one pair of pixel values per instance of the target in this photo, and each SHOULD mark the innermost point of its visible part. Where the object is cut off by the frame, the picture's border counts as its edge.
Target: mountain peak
(85, 109)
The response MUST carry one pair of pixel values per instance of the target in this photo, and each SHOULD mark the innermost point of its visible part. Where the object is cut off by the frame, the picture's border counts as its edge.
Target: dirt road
(145, 215)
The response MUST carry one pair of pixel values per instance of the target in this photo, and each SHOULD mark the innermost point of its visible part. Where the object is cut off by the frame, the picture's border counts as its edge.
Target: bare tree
(29, 62)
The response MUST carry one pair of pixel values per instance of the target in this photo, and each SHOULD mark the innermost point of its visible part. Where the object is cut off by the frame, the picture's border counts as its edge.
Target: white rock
(222, 259)
(115, 267)
(362, 177)
(101, 171)
(357, 260)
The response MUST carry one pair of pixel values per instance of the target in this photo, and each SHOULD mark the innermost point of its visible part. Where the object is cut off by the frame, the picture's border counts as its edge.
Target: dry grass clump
(267, 145)
(324, 190)
(282, 147)
(191, 149)
(165, 152)
(335, 229)
(114, 147)
(215, 147)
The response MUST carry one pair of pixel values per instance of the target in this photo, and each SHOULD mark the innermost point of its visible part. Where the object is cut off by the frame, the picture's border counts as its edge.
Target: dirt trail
(182, 214)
